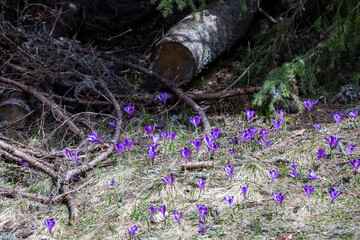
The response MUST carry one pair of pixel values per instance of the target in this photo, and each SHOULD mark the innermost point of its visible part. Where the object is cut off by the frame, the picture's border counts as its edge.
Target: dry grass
(106, 212)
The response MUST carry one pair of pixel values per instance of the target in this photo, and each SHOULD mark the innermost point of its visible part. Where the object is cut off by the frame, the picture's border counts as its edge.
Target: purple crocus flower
(278, 197)
(25, 164)
(245, 136)
(67, 153)
(312, 175)
(215, 133)
(195, 121)
(275, 93)
(280, 113)
(93, 137)
(355, 163)
(308, 190)
(317, 127)
(334, 194)
(337, 117)
(209, 141)
(152, 210)
(177, 216)
(128, 143)
(169, 181)
(196, 144)
(353, 114)
(172, 136)
(201, 183)
(309, 103)
(74, 156)
(273, 174)
(112, 123)
(232, 152)
(350, 149)
(111, 182)
(321, 153)
(332, 141)
(111, 71)
(49, 223)
(159, 128)
(294, 174)
(155, 138)
(132, 231)
(252, 132)
(293, 166)
(148, 129)
(265, 143)
(163, 97)
(203, 211)
(229, 200)
(244, 190)
(229, 170)
(162, 209)
(152, 152)
(164, 135)
(203, 227)
(249, 114)
(214, 146)
(185, 153)
(277, 124)
(264, 133)
(129, 109)
(119, 147)
(235, 140)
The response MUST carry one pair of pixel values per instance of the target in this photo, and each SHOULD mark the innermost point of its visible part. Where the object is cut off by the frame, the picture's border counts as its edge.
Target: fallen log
(201, 37)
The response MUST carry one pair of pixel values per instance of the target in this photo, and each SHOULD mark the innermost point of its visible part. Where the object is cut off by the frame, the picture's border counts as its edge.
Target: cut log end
(14, 112)
(174, 62)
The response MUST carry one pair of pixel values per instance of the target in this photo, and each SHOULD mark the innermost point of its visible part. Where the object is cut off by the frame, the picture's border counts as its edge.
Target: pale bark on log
(201, 37)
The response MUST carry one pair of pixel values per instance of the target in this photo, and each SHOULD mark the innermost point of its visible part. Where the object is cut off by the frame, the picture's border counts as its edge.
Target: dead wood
(13, 193)
(197, 165)
(199, 38)
(281, 144)
(53, 106)
(32, 161)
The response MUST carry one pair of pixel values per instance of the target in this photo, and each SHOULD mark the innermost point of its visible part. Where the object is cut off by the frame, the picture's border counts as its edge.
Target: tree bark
(201, 37)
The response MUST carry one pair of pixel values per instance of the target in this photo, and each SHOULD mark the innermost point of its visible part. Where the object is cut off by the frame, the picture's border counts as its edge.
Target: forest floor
(107, 211)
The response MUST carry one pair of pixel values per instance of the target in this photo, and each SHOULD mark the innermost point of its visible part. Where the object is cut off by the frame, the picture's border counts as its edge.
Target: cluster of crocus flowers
(278, 197)
(152, 152)
(332, 141)
(294, 173)
(93, 137)
(73, 156)
(203, 211)
(263, 142)
(129, 109)
(125, 144)
(49, 223)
